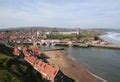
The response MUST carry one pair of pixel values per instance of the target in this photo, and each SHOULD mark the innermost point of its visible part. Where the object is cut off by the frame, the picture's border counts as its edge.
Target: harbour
(92, 58)
(102, 62)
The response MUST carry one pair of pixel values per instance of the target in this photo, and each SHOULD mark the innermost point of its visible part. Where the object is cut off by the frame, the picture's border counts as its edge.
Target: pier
(110, 46)
(83, 45)
(72, 44)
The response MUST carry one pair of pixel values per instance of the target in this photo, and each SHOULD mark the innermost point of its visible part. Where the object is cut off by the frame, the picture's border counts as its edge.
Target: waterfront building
(66, 33)
(48, 71)
(16, 52)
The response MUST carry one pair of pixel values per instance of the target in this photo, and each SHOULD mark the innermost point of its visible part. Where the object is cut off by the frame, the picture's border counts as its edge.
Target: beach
(70, 67)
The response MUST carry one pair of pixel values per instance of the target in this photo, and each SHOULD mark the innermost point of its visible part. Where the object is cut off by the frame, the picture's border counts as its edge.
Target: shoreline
(108, 46)
(72, 58)
(72, 68)
(112, 37)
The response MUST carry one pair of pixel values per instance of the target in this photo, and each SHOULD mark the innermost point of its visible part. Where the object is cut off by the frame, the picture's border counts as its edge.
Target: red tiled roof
(16, 51)
(31, 59)
(49, 71)
(37, 51)
(2, 36)
(25, 51)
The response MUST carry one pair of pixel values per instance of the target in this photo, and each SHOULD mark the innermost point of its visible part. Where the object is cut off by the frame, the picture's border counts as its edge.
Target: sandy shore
(70, 68)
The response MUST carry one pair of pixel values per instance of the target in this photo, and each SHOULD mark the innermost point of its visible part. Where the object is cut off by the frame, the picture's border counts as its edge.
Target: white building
(66, 33)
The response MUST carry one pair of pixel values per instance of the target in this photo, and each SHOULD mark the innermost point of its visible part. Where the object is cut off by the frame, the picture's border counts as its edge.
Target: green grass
(61, 36)
(5, 75)
(12, 70)
(3, 59)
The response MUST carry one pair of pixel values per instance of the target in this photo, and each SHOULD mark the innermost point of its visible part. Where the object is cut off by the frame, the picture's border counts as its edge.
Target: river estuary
(104, 63)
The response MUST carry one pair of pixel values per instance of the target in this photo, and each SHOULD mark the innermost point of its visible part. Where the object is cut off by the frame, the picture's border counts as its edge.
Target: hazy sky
(60, 13)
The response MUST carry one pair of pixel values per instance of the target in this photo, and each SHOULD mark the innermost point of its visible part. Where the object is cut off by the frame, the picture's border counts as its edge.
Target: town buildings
(48, 71)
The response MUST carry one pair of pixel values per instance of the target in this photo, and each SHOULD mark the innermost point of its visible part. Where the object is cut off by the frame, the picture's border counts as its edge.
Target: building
(48, 71)
(66, 33)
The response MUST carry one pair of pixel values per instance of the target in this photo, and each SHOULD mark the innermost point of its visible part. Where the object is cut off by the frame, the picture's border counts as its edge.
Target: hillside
(12, 70)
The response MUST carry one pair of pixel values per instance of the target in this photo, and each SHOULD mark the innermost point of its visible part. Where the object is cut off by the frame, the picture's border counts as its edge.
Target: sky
(60, 13)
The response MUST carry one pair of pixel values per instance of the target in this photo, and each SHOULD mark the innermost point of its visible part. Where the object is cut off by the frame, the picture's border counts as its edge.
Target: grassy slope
(5, 75)
(15, 71)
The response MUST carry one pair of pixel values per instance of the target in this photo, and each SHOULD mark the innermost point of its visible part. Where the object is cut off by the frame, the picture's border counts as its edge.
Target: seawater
(105, 63)
(111, 37)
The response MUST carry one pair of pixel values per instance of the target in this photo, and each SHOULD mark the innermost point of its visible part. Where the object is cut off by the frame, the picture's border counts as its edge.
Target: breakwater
(103, 62)
(72, 44)
(110, 46)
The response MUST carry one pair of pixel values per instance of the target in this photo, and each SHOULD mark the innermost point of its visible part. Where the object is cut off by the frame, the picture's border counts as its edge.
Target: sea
(102, 62)
(111, 37)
